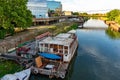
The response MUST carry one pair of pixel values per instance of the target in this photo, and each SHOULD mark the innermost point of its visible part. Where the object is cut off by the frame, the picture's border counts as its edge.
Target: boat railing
(47, 72)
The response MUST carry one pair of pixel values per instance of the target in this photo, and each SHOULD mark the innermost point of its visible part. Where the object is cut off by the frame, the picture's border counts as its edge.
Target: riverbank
(22, 37)
(54, 29)
(113, 26)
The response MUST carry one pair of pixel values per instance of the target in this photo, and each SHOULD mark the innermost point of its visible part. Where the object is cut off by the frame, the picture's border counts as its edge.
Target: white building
(38, 8)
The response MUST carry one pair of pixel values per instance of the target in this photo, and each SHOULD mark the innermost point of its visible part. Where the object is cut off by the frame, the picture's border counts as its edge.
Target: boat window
(55, 46)
(66, 51)
(65, 47)
(41, 44)
(60, 46)
(51, 45)
(46, 45)
(55, 50)
(61, 51)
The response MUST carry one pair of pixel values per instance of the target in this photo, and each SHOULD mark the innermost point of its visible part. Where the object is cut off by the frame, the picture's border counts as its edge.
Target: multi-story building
(41, 8)
(54, 8)
(53, 5)
(38, 8)
(67, 13)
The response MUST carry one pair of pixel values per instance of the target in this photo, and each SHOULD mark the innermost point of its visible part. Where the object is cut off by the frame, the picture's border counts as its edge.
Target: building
(44, 8)
(67, 13)
(38, 8)
(53, 5)
(54, 8)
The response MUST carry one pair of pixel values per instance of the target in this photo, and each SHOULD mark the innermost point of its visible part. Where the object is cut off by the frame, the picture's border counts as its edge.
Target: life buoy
(35, 71)
(62, 76)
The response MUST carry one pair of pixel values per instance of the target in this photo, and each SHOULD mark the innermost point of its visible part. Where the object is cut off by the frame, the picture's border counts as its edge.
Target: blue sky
(91, 6)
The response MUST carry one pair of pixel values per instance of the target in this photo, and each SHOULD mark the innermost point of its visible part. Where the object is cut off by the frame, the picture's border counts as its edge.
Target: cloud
(87, 5)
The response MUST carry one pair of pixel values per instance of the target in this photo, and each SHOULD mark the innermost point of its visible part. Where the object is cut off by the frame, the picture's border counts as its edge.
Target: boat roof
(61, 39)
(72, 31)
(63, 35)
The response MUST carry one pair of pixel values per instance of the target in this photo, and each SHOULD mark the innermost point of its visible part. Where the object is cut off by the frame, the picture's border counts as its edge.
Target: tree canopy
(14, 13)
(117, 19)
(113, 14)
(75, 13)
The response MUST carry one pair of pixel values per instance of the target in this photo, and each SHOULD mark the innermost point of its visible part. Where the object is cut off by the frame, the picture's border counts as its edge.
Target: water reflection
(113, 34)
(95, 24)
(98, 56)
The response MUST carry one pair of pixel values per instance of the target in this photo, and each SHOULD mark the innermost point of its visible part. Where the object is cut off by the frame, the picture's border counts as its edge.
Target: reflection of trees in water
(113, 34)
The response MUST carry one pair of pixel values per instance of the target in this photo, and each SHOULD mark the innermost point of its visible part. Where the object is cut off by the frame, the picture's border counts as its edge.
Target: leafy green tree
(14, 13)
(117, 19)
(113, 14)
(84, 14)
(75, 13)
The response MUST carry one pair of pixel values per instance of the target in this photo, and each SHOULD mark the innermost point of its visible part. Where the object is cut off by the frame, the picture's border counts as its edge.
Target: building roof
(61, 39)
(63, 35)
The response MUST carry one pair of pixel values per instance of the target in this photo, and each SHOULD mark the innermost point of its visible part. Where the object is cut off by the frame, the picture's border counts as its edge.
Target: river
(97, 58)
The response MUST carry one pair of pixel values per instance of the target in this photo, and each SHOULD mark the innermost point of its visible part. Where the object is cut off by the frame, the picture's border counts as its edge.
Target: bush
(2, 34)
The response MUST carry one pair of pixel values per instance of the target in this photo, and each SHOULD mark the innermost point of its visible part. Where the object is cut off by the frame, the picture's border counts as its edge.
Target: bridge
(93, 15)
(51, 20)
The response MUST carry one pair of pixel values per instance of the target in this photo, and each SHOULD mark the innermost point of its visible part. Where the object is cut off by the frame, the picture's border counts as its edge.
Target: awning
(49, 55)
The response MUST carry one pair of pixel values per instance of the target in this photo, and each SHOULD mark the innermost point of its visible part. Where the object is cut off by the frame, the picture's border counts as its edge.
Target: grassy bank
(8, 67)
(59, 28)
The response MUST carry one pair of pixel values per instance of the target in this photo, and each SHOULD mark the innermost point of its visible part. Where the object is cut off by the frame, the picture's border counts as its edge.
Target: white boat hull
(23, 75)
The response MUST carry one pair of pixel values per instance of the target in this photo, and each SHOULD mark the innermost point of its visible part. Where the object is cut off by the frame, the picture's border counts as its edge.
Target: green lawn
(8, 67)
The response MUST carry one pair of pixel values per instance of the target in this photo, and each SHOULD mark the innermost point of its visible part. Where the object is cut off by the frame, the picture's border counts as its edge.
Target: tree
(75, 13)
(14, 13)
(113, 14)
(117, 19)
(51, 13)
(84, 14)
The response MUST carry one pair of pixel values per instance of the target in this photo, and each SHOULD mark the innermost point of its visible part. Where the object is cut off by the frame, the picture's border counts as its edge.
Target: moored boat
(55, 54)
(23, 75)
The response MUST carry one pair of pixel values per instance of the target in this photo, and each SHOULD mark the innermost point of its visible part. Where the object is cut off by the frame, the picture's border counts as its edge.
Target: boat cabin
(55, 54)
(60, 45)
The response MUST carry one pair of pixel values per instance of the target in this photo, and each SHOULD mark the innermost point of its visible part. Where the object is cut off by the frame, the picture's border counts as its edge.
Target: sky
(90, 6)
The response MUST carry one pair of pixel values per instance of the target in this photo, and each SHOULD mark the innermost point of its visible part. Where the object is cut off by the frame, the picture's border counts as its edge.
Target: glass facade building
(53, 5)
(38, 8)
(41, 8)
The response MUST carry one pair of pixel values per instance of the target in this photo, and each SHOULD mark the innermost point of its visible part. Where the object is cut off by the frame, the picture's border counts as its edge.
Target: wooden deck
(60, 72)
